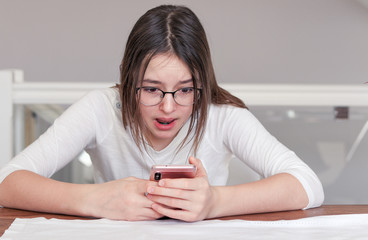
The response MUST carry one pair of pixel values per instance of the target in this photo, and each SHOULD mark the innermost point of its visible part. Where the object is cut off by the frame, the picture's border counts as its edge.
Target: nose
(168, 103)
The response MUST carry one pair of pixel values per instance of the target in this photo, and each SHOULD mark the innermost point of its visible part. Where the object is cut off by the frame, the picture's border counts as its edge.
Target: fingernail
(161, 183)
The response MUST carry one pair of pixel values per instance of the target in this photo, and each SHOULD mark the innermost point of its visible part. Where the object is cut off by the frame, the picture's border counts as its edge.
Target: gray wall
(253, 41)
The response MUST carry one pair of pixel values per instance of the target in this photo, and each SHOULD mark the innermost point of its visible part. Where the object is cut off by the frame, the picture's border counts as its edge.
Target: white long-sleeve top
(94, 124)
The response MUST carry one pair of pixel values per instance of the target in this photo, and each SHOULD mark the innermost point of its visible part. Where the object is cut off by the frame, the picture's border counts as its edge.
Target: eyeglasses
(151, 96)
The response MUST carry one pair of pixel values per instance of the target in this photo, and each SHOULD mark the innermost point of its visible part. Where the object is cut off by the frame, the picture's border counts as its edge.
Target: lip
(165, 127)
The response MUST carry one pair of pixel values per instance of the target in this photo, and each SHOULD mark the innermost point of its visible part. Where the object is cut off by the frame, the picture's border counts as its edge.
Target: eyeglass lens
(151, 96)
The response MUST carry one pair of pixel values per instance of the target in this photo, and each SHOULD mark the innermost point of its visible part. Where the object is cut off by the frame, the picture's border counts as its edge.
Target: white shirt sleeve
(62, 142)
(245, 136)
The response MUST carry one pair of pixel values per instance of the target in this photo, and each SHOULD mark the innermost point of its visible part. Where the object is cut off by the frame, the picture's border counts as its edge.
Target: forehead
(167, 65)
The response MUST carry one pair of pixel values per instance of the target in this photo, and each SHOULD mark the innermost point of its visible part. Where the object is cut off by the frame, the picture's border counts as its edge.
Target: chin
(165, 136)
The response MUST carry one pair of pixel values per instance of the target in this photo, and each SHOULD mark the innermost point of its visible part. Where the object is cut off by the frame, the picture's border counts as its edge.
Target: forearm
(27, 190)
(276, 193)
(122, 199)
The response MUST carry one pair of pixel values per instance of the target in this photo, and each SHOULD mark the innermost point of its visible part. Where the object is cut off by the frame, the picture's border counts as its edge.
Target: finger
(146, 185)
(146, 203)
(145, 214)
(149, 213)
(179, 183)
(201, 171)
(144, 209)
(150, 183)
(174, 203)
(168, 192)
(190, 184)
(173, 213)
(140, 199)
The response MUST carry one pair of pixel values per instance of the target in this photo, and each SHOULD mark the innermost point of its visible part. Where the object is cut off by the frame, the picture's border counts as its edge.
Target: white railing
(15, 92)
(252, 94)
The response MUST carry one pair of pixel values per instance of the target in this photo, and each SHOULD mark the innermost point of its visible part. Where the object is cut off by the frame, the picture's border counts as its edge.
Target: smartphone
(172, 171)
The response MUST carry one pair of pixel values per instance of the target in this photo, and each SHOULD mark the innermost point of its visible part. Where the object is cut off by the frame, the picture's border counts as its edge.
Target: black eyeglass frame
(173, 94)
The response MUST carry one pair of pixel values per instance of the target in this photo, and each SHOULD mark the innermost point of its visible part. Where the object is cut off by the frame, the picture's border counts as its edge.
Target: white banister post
(6, 116)
(18, 117)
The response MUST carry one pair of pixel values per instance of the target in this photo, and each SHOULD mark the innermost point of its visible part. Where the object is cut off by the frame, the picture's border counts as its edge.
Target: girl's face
(164, 120)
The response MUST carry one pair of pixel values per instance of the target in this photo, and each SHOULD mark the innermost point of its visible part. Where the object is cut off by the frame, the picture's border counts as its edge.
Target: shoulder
(102, 99)
(99, 105)
(227, 119)
(224, 112)
(103, 108)
(105, 94)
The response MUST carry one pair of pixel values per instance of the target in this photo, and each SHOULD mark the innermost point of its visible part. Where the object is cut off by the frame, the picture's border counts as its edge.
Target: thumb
(201, 171)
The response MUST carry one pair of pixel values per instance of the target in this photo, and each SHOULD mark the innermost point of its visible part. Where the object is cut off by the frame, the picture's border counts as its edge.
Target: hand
(187, 199)
(122, 199)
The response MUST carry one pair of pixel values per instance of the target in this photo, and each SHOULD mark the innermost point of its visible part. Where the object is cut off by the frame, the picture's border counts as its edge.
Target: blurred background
(252, 41)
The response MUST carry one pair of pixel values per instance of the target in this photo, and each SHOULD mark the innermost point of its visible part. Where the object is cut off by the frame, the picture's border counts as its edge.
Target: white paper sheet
(354, 226)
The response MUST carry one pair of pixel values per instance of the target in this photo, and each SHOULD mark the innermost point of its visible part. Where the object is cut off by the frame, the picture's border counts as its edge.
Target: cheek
(142, 112)
(188, 112)
(146, 113)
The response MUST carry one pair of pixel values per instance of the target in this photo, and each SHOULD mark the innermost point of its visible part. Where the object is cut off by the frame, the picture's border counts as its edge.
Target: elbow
(315, 194)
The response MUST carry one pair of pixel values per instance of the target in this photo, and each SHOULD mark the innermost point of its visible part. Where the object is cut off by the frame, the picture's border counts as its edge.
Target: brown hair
(176, 30)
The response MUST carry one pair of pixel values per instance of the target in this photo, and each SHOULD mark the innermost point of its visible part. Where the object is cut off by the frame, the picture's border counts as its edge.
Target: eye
(187, 90)
(150, 89)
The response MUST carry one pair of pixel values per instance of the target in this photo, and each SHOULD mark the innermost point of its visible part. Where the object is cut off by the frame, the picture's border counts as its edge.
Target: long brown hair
(176, 30)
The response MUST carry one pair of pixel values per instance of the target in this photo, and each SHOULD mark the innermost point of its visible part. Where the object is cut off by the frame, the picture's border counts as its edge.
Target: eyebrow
(158, 82)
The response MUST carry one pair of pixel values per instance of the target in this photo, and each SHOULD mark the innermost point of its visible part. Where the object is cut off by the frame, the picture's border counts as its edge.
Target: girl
(167, 109)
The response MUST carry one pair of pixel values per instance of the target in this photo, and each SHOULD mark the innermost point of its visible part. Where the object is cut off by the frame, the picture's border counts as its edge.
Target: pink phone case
(172, 171)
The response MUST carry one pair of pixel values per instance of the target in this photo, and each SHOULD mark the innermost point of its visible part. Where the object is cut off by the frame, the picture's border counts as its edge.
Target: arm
(277, 193)
(26, 190)
(194, 199)
(121, 199)
(25, 182)
(261, 151)
(288, 182)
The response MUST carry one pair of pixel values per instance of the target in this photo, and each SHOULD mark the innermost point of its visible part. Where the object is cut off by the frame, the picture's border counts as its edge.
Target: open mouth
(164, 122)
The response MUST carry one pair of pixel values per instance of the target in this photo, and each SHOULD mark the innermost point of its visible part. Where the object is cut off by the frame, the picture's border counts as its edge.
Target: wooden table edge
(8, 215)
